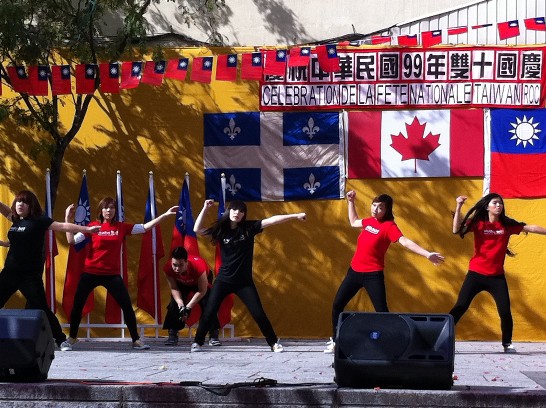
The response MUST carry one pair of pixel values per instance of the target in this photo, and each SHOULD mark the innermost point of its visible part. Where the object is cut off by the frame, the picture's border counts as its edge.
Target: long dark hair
(104, 203)
(29, 198)
(479, 213)
(219, 229)
(388, 201)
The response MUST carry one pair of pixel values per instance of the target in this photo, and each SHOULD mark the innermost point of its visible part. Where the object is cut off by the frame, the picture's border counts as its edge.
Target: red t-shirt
(103, 255)
(196, 267)
(490, 243)
(372, 244)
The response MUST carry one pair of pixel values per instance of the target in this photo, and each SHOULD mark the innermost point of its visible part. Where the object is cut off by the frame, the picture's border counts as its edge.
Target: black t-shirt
(26, 238)
(237, 250)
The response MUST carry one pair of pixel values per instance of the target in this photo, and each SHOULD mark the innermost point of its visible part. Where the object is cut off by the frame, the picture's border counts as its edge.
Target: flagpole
(154, 244)
(121, 217)
(84, 177)
(50, 246)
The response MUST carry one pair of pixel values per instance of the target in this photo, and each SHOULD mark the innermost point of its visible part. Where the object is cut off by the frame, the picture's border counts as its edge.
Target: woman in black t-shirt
(26, 255)
(235, 236)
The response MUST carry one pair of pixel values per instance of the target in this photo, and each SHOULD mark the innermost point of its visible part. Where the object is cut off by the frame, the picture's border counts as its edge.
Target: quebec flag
(274, 156)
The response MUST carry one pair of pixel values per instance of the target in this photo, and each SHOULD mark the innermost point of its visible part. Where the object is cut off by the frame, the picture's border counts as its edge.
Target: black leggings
(475, 283)
(30, 284)
(116, 287)
(172, 320)
(373, 282)
(249, 296)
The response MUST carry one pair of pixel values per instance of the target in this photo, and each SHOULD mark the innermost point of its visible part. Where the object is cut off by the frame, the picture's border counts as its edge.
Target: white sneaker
(139, 345)
(509, 349)
(68, 343)
(330, 347)
(195, 348)
(277, 347)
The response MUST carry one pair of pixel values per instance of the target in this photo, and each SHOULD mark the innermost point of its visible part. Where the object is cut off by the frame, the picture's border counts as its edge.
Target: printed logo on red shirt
(371, 229)
(493, 232)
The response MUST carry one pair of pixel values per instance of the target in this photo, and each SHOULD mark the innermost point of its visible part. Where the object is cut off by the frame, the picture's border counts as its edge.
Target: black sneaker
(172, 341)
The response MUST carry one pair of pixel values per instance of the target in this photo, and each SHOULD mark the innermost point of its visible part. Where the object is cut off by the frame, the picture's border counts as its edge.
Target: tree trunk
(56, 166)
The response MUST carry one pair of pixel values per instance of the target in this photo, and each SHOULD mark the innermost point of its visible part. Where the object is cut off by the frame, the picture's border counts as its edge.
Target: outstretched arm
(4, 243)
(433, 257)
(535, 229)
(278, 219)
(354, 221)
(152, 223)
(198, 226)
(457, 218)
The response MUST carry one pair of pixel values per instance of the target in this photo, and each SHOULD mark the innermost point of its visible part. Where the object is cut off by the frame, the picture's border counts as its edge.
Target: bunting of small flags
(112, 77)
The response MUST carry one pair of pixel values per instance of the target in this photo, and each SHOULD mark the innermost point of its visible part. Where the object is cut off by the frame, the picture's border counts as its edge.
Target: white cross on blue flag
(274, 156)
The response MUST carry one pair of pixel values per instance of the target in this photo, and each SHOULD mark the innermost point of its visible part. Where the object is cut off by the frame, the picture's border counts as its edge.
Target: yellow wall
(298, 266)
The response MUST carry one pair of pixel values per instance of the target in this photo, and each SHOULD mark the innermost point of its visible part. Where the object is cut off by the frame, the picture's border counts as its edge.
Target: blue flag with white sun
(518, 153)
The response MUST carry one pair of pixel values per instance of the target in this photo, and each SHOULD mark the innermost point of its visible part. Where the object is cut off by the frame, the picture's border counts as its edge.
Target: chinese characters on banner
(410, 78)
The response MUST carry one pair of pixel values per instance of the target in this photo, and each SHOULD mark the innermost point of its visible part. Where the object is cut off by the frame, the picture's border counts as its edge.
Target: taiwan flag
(427, 143)
(183, 234)
(177, 69)
(408, 40)
(274, 156)
(38, 77)
(251, 66)
(431, 38)
(85, 79)
(201, 69)
(518, 153)
(299, 57)
(457, 30)
(19, 78)
(60, 80)
(153, 73)
(131, 72)
(275, 62)
(381, 39)
(109, 77)
(328, 58)
(226, 67)
(508, 29)
(535, 24)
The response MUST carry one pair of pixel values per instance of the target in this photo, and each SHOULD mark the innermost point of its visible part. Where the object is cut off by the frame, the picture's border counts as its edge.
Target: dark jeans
(475, 283)
(116, 287)
(249, 296)
(172, 321)
(30, 284)
(373, 282)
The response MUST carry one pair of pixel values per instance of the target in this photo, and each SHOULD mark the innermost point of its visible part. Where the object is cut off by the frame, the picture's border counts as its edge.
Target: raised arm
(457, 218)
(198, 226)
(69, 228)
(152, 223)
(279, 219)
(5, 211)
(433, 257)
(354, 221)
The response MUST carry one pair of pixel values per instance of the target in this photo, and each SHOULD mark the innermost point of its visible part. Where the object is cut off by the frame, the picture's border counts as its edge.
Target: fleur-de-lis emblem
(310, 129)
(313, 185)
(233, 186)
(232, 130)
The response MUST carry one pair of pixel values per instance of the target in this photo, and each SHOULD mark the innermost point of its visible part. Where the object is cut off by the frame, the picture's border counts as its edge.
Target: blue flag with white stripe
(274, 156)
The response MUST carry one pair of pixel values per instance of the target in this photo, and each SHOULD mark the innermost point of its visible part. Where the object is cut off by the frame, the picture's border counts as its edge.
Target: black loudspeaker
(387, 350)
(27, 347)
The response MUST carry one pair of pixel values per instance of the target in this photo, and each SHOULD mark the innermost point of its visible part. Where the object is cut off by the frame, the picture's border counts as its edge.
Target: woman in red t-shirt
(366, 270)
(102, 265)
(492, 230)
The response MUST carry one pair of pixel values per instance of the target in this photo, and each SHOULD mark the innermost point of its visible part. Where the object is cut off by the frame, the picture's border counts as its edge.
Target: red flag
(424, 143)
(60, 80)
(130, 74)
(327, 58)
(475, 27)
(201, 69)
(153, 73)
(251, 66)
(183, 234)
(38, 77)
(457, 30)
(85, 78)
(275, 62)
(151, 251)
(76, 256)
(518, 153)
(508, 29)
(430, 38)
(536, 23)
(19, 78)
(407, 40)
(381, 39)
(177, 69)
(226, 67)
(109, 77)
(299, 57)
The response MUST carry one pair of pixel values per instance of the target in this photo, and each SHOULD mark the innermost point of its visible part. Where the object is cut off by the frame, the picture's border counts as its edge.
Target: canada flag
(427, 143)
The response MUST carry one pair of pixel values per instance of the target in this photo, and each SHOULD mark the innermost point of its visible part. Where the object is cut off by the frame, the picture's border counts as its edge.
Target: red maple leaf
(416, 146)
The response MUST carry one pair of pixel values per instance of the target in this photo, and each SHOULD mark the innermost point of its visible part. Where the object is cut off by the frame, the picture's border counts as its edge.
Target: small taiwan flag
(19, 78)
(381, 39)
(327, 58)
(201, 69)
(60, 80)
(85, 78)
(38, 76)
(299, 57)
(177, 69)
(508, 29)
(535, 23)
(251, 66)
(153, 73)
(109, 77)
(226, 67)
(430, 38)
(407, 40)
(131, 72)
(275, 62)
